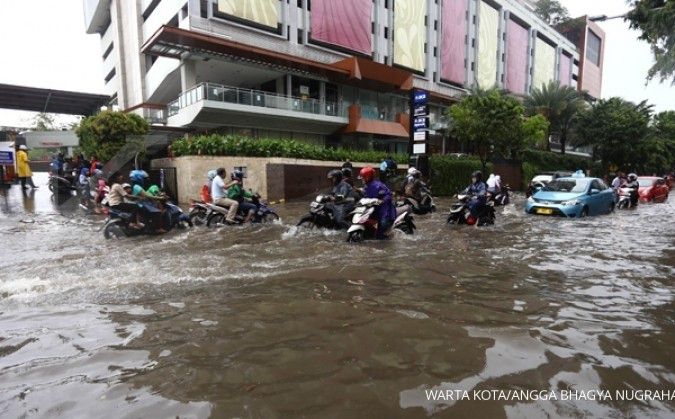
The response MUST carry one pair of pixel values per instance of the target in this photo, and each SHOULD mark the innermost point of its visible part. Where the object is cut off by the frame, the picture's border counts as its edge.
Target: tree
(559, 105)
(657, 153)
(551, 11)
(105, 134)
(493, 122)
(615, 128)
(44, 122)
(656, 20)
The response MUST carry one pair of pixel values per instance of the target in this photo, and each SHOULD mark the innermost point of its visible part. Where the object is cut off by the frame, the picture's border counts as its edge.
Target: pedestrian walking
(23, 167)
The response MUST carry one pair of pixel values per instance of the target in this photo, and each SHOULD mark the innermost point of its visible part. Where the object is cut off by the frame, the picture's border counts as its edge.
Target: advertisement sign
(419, 121)
(410, 34)
(420, 136)
(421, 111)
(344, 23)
(420, 148)
(6, 153)
(262, 12)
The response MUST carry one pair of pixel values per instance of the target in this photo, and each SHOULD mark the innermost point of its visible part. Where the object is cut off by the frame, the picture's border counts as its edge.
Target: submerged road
(268, 321)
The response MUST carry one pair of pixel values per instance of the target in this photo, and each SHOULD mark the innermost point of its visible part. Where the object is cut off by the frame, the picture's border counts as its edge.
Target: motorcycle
(199, 212)
(263, 213)
(117, 225)
(424, 206)
(625, 201)
(364, 226)
(62, 184)
(502, 198)
(459, 213)
(321, 216)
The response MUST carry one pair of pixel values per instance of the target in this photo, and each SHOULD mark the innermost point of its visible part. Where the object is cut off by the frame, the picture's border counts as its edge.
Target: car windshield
(567, 185)
(645, 182)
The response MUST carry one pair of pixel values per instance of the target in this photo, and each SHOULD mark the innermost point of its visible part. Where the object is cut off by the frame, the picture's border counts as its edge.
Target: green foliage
(560, 105)
(535, 130)
(44, 122)
(615, 128)
(450, 175)
(655, 19)
(103, 135)
(536, 161)
(233, 145)
(551, 11)
(493, 123)
(657, 153)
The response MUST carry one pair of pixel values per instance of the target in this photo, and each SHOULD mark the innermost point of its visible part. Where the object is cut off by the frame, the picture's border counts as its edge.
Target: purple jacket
(379, 190)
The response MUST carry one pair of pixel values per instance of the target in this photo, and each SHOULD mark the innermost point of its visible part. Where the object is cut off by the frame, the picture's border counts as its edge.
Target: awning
(359, 125)
(49, 100)
(379, 76)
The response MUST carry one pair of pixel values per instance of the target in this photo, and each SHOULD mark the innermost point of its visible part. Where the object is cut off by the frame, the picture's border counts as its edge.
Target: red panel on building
(345, 23)
(453, 51)
(516, 57)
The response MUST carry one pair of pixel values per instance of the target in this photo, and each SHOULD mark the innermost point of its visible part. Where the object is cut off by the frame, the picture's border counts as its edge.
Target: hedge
(233, 145)
(450, 175)
(536, 161)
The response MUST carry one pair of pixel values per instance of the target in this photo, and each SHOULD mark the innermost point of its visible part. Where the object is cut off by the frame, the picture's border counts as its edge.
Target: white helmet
(412, 171)
(23, 147)
(632, 177)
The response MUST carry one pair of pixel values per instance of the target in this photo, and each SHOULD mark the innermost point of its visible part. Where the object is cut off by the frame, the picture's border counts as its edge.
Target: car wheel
(584, 212)
(611, 207)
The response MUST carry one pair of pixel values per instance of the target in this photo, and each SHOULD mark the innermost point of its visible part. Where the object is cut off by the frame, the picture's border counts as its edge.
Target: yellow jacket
(22, 166)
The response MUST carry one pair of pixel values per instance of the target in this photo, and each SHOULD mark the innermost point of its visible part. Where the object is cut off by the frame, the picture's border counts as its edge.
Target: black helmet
(237, 174)
(346, 172)
(478, 175)
(335, 175)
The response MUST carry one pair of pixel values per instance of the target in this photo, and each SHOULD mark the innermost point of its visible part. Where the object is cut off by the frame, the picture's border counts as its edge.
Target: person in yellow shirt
(23, 167)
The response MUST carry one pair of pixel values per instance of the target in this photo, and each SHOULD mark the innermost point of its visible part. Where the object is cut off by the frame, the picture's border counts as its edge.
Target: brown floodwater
(268, 321)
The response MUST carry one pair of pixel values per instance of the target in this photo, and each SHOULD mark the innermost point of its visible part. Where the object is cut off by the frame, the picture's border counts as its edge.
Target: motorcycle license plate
(544, 211)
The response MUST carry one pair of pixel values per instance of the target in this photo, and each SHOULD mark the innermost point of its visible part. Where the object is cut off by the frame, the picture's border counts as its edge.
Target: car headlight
(530, 200)
(570, 203)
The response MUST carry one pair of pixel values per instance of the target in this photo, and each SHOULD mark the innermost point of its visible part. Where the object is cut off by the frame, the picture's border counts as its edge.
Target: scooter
(62, 184)
(502, 198)
(424, 206)
(321, 216)
(263, 214)
(364, 225)
(625, 201)
(459, 213)
(117, 224)
(199, 212)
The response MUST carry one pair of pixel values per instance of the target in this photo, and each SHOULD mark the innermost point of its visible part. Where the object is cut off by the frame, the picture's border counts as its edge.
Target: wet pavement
(269, 321)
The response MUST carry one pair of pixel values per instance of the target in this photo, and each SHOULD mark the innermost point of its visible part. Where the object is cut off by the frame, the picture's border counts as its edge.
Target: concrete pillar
(322, 97)
(188, 74)
(289, 85)
(530, 58)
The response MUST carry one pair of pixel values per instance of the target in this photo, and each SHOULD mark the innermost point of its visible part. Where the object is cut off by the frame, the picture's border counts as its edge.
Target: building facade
(328, 72)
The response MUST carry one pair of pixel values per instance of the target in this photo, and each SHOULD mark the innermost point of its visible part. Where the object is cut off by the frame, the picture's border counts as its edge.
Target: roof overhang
(49, 100)
(175, 42)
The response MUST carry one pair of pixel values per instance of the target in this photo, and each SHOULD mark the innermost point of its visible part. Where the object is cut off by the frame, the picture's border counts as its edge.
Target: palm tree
(559, 104)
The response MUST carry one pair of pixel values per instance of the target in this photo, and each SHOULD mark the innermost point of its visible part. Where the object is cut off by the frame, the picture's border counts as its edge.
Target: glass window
(593, 46)
(567, 185)
(645, 182)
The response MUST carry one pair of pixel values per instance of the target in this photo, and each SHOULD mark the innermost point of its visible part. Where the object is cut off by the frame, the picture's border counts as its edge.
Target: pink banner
(565, 70)
(516, 57)
(345, 23)
(453, 49)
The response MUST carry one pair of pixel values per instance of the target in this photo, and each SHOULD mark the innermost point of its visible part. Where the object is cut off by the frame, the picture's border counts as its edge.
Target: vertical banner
(517, 38)
(262, 12)
(488, 41)
(453, 49)
(544, 64)
(410, 33)
(345, 23)
(419, 121)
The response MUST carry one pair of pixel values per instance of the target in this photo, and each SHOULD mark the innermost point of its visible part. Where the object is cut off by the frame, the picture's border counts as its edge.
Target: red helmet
(367, 174)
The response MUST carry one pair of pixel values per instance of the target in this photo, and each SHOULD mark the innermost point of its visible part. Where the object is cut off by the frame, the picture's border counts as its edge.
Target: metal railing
(250, 97)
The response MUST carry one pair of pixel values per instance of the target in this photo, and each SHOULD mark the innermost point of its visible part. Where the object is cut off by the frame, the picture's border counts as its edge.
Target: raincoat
(22, 166)
(377, 189)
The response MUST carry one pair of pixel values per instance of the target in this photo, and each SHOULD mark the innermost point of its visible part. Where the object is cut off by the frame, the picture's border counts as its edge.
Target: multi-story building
(323, 71)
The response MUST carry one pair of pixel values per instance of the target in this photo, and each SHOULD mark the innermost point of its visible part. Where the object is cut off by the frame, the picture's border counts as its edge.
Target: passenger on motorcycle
(347, 176)
(478, 192)
(633, 184)
(219, 194)
(118, 199)
(237, 193)
(148, 203)
(386, 212)
(341, 195)
(205, 193)
(494, 184)
(413, 187)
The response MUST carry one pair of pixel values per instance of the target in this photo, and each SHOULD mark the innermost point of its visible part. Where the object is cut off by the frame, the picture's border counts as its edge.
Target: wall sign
(419, 122)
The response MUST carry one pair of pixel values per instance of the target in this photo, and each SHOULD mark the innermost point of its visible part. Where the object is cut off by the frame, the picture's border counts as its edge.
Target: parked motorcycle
(321, 216)
(459, 213)
(117, 224)
(263, 214)
(364, 225)
(625, 201)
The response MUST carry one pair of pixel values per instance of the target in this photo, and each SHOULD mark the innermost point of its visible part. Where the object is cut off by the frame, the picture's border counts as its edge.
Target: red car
(653, 189)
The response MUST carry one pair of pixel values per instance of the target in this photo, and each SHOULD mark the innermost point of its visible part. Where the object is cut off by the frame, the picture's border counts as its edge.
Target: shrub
(450, 175)
(105, 134)
(535, 161)
(233, 145)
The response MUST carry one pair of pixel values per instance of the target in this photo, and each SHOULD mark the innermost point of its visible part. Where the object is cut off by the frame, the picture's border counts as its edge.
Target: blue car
(575, 196)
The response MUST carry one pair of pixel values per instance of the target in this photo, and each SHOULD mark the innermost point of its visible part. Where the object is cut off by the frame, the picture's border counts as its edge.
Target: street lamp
(603, 18)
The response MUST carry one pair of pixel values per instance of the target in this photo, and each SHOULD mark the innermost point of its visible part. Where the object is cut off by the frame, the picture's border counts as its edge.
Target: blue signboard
(6, 158)
(420, 97)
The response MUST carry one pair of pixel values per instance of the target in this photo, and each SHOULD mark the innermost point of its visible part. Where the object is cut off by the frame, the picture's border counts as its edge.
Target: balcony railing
(249, 97)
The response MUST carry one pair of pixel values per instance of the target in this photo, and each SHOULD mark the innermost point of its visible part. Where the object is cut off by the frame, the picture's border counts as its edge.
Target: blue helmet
(138, 176)
(84, 171)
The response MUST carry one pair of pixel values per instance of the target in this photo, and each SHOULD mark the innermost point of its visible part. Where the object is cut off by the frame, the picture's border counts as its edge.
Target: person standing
(23, 167)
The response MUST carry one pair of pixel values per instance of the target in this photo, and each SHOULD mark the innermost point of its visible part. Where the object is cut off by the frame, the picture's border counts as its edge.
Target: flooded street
(268, 321)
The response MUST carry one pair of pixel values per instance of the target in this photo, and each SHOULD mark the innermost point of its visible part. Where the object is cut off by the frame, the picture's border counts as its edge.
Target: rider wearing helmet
(347, 176)
(148, 203)
(633, 184)
(220, 192)
(342, 196)
(237, 193)
(478, 192)
(386, 212)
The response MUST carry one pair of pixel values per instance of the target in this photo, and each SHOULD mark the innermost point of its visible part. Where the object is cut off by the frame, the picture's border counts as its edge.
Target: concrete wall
(274, 178)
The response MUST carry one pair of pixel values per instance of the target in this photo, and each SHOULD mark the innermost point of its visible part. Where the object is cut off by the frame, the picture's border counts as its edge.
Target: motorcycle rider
(413, 187)
(386, 212)
(118, 198)
(477, 190)
(147, 202)
(347, 176)
(219, 195)
(237, 193)
(633, 184)
(341, 196)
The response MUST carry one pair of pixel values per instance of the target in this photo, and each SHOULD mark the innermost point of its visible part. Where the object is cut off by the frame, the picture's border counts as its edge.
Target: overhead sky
(52, 50)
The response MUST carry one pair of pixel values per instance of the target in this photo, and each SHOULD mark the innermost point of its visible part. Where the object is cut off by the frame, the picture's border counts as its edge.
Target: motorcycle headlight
(570, 203)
